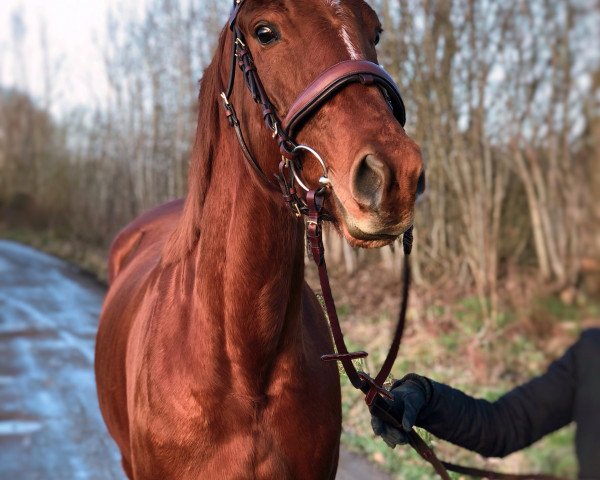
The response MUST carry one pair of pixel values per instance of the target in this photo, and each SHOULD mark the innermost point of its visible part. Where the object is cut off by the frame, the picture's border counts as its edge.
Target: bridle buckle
(298, 213)
(225, 99)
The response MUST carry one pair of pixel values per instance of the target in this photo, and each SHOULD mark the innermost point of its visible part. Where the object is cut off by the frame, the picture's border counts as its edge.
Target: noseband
(319, 92)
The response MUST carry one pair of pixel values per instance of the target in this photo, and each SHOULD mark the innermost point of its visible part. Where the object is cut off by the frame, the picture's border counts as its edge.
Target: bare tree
(501, 96)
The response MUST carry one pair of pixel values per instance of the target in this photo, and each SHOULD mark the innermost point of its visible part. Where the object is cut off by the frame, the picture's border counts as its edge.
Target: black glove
(411, 396)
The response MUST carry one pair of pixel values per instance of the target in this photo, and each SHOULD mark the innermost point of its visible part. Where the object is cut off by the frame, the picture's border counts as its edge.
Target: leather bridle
(320, 91)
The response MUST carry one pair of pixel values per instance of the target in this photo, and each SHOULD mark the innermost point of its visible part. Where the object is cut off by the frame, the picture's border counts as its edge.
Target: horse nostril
(421, 184)
(370, 180)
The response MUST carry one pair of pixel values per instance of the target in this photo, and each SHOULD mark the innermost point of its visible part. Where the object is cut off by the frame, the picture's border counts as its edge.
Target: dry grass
(90, 259)
(445, 340)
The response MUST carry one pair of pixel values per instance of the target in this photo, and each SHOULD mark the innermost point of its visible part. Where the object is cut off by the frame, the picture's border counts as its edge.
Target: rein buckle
(338, 357)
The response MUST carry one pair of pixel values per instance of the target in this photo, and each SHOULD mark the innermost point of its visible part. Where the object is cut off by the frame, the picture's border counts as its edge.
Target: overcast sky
(75, 28)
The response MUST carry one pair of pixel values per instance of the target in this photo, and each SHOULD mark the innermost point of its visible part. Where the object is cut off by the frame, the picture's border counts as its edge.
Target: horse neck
(249, 263)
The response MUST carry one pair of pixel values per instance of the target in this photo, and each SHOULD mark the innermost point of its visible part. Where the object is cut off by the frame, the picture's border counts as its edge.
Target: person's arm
(493, 429)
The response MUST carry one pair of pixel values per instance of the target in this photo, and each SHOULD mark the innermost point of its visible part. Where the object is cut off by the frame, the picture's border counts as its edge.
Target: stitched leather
(334, 79)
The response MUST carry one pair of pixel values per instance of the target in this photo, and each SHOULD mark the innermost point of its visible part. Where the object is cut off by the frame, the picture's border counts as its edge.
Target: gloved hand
(411, 396)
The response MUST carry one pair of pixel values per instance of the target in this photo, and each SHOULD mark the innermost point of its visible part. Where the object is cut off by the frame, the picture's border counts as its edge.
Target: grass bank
(89, 258)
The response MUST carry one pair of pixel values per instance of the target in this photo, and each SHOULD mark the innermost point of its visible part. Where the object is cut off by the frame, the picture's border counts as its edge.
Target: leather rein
(321, 90)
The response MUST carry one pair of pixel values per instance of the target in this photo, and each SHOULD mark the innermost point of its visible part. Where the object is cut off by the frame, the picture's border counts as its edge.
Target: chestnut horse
(208, 352)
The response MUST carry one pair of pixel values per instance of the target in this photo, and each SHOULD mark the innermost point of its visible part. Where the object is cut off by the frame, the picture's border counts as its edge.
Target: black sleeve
(516, 420)
(587, 404)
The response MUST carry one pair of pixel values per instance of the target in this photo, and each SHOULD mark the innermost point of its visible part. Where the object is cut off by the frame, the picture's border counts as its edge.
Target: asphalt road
(50, 424)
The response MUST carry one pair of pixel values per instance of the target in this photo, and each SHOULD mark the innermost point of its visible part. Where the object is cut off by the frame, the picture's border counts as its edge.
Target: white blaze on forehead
(345, 36)
(354, 55)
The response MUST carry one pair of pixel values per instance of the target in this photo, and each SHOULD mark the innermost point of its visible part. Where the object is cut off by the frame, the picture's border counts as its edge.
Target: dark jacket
(568, 391)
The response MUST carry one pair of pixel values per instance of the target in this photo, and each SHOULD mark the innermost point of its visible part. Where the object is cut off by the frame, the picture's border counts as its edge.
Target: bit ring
(323, 180)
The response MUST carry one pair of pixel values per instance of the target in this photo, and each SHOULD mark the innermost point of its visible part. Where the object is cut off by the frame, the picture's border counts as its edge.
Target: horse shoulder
(149, 228)
(135, 254)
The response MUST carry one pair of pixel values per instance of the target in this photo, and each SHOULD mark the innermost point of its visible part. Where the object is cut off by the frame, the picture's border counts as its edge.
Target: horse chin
(365, 240)
(376, 237)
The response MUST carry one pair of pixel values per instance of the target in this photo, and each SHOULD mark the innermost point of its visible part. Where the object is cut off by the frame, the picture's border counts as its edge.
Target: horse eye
(377, 38)
(266, 35)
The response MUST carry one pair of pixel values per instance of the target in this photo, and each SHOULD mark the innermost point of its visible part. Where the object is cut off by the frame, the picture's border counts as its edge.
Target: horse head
(375, 169)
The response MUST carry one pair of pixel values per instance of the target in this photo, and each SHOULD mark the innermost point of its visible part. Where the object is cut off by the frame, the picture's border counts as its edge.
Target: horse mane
(186, 234)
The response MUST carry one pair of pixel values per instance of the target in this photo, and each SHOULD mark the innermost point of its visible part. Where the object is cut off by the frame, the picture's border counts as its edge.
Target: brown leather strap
(372, 388)
(235, 123)
(335, 78)
(237, 4)
(393, 351)
(315, 200)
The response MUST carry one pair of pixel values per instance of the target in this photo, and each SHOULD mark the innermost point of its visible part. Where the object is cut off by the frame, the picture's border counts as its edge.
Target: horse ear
(186, 234)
